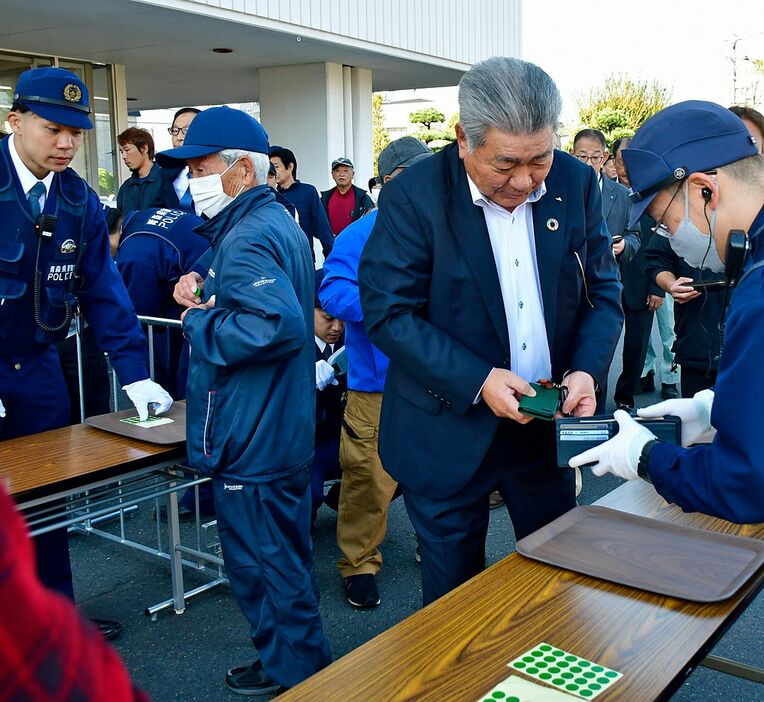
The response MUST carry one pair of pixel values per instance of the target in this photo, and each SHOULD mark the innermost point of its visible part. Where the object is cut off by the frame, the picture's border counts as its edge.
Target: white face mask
(691, 244)
(208, 194)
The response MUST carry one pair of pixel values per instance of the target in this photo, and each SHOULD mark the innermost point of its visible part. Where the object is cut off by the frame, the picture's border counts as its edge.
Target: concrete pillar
(320, 111)
(119, 122)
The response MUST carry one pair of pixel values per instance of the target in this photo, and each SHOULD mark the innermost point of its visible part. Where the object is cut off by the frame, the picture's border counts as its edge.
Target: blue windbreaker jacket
(251, 382)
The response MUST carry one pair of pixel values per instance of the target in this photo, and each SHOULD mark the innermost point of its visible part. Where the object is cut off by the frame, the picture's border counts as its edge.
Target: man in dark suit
(488, 266)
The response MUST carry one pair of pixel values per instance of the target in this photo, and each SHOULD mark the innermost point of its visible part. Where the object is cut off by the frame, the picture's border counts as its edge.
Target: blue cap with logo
(213, 130)
(54, 94)
(689, 137)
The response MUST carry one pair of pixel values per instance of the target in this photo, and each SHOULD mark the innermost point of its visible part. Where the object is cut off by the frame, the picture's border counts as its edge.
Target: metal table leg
(176, 557)
(739, 670)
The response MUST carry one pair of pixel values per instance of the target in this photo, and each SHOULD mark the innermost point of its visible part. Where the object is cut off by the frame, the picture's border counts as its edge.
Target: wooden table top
(65, 457)
(458, 647)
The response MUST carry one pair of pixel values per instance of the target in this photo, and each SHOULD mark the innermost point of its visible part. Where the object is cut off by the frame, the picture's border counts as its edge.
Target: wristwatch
(644, 460)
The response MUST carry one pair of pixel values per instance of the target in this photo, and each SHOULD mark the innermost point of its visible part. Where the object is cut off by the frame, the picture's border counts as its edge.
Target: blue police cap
(685, 138)
(213, 130)
(55, 94)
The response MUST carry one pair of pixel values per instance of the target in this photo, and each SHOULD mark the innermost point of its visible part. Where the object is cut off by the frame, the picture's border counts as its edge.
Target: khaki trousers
(366, 488)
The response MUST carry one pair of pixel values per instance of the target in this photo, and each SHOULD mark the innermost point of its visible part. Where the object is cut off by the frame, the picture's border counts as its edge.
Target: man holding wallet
(489, 266)
(697, 171)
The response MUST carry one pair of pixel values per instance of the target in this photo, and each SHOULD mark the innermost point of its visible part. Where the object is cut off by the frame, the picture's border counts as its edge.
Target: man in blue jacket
(251, 395)
(311, 214)
(489, 267)
(366, 487)
(697, 171)
(54, 255)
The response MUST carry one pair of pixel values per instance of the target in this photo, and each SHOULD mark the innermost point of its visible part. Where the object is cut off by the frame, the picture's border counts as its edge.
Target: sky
(687, 45)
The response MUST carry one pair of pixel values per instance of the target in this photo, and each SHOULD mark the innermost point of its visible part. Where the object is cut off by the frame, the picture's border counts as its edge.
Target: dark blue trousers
(521, 464)
(326, 466)
(35, 398)
(265, 534)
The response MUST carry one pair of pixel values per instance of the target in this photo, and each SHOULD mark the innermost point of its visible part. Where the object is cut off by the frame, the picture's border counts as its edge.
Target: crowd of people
(448, 287)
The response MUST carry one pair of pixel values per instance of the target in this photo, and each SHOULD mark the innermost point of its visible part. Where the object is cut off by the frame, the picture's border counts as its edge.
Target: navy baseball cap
(689, 137)
(213, 130)
(54, 94)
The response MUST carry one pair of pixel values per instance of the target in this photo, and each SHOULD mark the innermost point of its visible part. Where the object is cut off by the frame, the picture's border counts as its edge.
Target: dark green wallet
(544, 405)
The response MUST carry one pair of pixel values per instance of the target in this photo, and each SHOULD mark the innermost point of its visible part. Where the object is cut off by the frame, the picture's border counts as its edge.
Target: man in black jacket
(345, 202)
(696, 314)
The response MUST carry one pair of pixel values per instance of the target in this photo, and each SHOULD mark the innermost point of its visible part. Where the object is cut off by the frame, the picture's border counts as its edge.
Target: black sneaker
(251, 680)
(646, 384)
(669, 391)
(109, 629)
(361, 590)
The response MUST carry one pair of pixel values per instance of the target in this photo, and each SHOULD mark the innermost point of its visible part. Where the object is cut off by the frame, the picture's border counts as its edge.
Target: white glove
(620, 455)
(143, 393)
(695, 413)
(2, 409)
(324, 375)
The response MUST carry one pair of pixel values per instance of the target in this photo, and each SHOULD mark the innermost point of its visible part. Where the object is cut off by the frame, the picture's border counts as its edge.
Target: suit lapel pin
(552, 225)
(558, 198)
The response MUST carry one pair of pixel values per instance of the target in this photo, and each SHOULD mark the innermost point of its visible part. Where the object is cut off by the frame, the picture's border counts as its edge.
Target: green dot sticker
(564, 670)
(513, 699)
(498, 695)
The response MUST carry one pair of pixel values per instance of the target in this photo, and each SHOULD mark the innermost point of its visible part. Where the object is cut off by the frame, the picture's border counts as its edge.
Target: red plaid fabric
(48, 653)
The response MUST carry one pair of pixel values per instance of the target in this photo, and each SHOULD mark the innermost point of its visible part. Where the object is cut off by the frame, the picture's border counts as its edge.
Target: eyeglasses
(594, 160)
(177, 130)
(660, 228)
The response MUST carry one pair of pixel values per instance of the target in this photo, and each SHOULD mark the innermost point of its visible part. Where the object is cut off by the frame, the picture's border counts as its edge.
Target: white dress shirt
(322, 344)
(514, 250)
(180, 184)
(28, 179)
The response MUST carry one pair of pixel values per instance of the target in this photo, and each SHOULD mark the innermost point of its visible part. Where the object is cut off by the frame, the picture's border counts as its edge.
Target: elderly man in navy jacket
(489, 266)
(251, 395)
(697, 171)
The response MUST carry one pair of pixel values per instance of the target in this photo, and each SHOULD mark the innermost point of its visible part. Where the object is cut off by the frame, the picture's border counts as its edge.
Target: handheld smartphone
(708, 285)
(338, 360)
(617, 238)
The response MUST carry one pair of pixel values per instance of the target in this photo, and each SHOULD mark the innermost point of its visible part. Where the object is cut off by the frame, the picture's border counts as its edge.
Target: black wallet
(577, 434)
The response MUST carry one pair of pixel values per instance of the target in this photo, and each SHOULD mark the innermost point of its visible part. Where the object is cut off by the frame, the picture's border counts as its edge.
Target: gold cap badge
(73, 93)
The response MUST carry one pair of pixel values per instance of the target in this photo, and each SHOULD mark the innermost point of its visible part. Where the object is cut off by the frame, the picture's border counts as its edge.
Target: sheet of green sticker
(515, 689)
(565, 671)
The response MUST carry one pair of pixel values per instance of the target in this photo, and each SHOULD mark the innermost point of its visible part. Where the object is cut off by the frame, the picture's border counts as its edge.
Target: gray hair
(260, 162)
(508, 94)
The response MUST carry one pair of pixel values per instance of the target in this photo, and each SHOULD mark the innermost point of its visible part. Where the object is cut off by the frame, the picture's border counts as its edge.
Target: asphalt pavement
(184, 657)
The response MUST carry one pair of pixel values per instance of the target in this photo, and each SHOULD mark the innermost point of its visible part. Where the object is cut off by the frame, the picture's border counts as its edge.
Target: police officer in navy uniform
(156, 247)
(54, 256)
(697, 171)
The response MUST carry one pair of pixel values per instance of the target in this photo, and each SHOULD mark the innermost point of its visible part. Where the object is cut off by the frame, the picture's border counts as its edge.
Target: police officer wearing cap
(251, 394)
(698, 172)
(54, 257)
